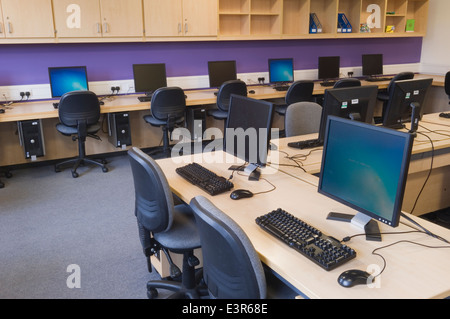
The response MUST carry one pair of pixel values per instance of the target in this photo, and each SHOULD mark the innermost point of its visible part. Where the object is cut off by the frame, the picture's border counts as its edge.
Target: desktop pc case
(196, 122)
(31, 138)
(119, 133)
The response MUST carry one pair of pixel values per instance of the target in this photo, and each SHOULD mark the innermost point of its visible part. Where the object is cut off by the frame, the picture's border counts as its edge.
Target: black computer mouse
(241, 193)
(354, 277)
(2, 111)
(251, 92)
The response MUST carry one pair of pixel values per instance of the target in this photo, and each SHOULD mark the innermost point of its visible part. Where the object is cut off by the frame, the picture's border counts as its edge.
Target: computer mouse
(251, 92)
(354, 277)
(241, 193)
(2, 111)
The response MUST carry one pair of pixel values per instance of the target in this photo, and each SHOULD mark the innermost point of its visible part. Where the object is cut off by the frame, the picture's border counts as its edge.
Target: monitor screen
(365, 167)
(149, 77)
(248, 127)
(67, 79)
(356, 103)
(281, 70)
(329, 67)
(220, 72)
(402, 94)
(372, 64)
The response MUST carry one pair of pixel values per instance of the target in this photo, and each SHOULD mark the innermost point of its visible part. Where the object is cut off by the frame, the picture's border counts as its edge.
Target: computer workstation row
(354, 159)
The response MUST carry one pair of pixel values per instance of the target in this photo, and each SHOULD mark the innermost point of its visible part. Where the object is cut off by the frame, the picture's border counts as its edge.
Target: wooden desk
(412, 271)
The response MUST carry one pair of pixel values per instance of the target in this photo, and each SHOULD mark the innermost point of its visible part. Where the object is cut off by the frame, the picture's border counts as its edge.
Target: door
(163, 18)
(77, 18)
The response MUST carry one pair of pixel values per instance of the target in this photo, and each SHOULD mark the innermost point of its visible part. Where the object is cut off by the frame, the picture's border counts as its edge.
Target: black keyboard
(281, 88)
(205, 179)
(445, 115)
(306, 144)
(144, 98)
(325, 251)
(328, 83)
(378, 79)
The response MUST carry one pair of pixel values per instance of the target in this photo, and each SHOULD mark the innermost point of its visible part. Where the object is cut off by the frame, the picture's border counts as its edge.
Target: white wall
(436, 44)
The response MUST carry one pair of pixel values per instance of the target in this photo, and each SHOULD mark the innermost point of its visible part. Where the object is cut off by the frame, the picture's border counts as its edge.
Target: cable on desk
(263, 192)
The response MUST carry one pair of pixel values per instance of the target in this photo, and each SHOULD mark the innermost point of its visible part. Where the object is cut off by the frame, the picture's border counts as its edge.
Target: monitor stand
(361, 220)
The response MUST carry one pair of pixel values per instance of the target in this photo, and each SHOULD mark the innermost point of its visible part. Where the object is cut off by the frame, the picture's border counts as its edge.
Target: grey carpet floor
(50, 220)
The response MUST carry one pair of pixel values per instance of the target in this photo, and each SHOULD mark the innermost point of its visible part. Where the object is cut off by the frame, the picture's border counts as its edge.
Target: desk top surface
(123, 103)
(412, 271)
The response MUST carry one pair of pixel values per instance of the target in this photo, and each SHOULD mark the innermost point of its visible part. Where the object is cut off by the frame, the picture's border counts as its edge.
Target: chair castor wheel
(152, 293)
(105, 169)
(75, 174)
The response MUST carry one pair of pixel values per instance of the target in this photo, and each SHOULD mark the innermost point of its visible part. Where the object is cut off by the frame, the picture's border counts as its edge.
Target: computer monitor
(372, 64)
(365, 167)
(149, 77)
(281, 71)
(402, 97)
(248, 130)
(220, 72)
(329, 67)
(355, 103)
(67, 79)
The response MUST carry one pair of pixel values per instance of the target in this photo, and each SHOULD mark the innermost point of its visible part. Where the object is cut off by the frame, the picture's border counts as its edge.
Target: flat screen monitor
(355, 103)
(248, 127)
(67, 79)
(149, 77)
(372, 64)
(365, 167)
(281, 70)
(329, 67)
(220, 72)
(401, 97)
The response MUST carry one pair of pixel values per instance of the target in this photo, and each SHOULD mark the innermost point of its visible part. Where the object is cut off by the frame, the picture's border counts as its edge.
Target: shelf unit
(290, 18)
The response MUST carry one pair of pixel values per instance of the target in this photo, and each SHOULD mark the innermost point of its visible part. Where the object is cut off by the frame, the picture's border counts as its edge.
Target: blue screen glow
(281, 70)
(63, 80)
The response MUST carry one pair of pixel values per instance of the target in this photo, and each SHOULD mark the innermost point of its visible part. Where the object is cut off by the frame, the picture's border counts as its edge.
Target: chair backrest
(300, 91)
(79, 106)
(447, 84)
(168, 102)
(400, 77)
(302, 118)
(237, 87)
(348, 82)
(153, 198)
(231, 266)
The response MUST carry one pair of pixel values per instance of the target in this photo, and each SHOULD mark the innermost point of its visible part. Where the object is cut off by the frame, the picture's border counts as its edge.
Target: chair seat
(218, 114)
(155, 122)
(70, 130)
(183, 234)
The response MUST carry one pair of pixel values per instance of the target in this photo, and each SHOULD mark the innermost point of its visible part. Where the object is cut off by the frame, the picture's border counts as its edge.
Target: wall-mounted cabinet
(98, 18)
(180, 18)
(26, 19)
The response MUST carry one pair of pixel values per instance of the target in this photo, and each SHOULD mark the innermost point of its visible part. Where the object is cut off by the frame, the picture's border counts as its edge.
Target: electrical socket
(4, 96)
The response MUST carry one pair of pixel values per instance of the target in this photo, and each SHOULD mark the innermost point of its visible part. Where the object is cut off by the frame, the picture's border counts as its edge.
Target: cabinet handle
(1, 28)
(99, 30)
(106, 27)
(185, 28)
(179, 27)
(10, 30)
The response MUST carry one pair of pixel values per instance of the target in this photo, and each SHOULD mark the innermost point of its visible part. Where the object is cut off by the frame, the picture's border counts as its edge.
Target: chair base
(81, 161)
(7, 174)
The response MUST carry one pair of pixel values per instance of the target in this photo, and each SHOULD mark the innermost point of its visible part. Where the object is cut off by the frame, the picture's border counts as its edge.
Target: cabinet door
(2, 25)
(163, 18)
(28, 19)
(122, 18)
(200, 17)
(77, 18)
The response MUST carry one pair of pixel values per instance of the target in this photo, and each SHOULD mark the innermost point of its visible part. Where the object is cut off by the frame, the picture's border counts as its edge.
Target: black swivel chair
(299, 91)
(231, 266)
(383, 96)
(347, 82)
(447, 85)
(168, 109)
(164, 226)
(79, 113)
(237, 87)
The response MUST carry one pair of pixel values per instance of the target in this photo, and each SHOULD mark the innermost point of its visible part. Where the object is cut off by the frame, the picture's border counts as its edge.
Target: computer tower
(119, 129)
(31, 138)
(196, 122)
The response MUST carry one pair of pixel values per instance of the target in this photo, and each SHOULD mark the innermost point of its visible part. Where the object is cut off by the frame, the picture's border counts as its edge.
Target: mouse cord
(263, 192)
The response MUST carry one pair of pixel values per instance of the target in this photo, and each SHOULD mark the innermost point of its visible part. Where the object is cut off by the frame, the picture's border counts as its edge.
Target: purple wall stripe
(23, 64)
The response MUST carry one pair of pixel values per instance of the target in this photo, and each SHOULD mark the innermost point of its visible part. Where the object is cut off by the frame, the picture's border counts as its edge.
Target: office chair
(347, 82)
(447, 84)
(7, 174)
(164, 226)
(384, 95)
(168, 108)
(302, 118)
(79, 113)
(237, 87)
(299, 91)
(231, 266)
